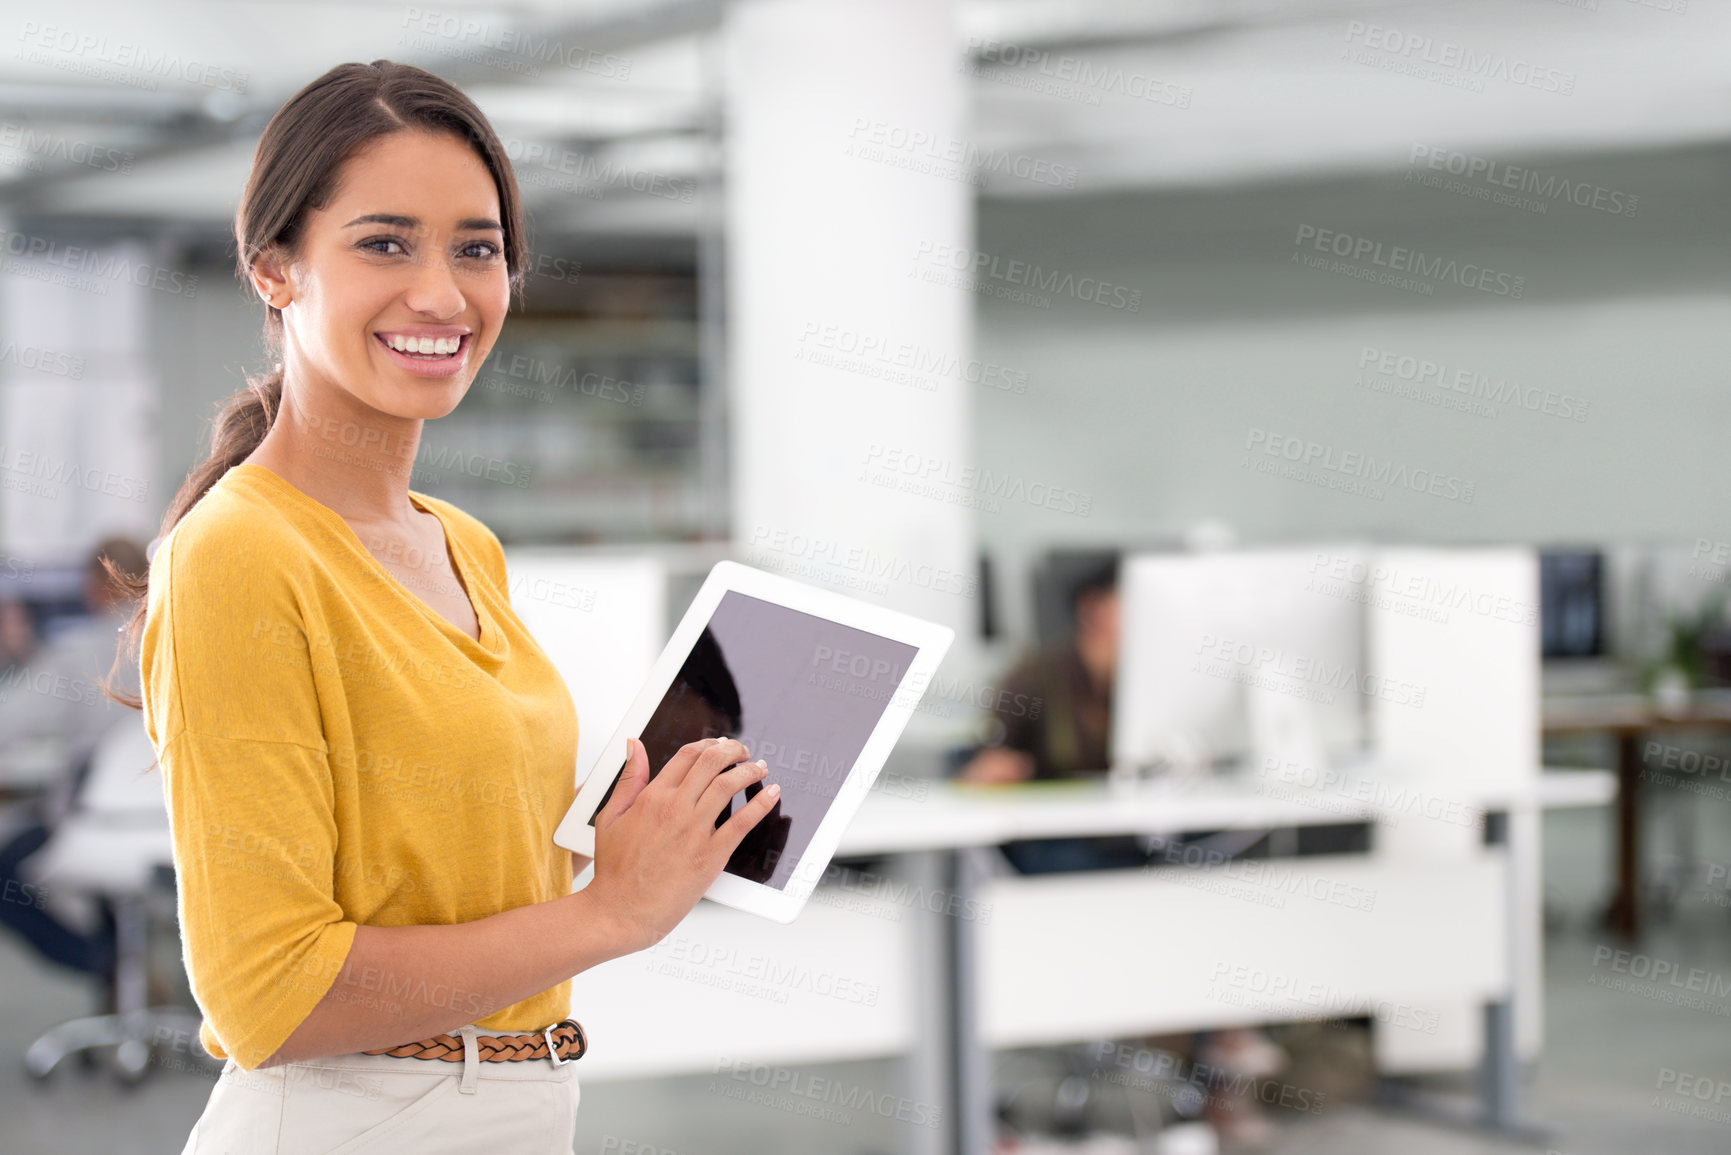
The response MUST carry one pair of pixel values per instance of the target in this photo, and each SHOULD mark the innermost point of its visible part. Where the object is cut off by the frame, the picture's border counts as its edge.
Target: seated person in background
(17, 634)
(1053, 721)
(57, 695)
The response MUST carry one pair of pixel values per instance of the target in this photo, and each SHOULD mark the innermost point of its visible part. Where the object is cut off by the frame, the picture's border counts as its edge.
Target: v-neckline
(488, 630)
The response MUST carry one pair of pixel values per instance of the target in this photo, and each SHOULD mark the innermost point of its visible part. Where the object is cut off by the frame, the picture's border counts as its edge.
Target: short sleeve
(232, 706)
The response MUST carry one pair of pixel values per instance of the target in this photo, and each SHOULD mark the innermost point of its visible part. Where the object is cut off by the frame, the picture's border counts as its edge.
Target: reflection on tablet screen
(803, 693)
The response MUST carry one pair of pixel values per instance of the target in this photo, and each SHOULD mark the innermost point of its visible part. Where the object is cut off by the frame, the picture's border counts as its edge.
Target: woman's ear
(270, 280)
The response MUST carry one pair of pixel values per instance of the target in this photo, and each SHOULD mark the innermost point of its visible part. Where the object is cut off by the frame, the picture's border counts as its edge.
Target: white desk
(951, 815)
(729, 986)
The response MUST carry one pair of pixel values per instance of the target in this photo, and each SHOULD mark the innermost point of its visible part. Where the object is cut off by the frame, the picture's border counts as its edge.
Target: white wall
(1149, 411)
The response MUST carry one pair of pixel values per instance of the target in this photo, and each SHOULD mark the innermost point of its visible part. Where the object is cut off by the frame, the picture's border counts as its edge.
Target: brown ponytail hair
(295, 170)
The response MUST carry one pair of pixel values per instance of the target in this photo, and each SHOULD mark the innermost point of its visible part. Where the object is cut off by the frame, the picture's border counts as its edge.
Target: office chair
(114, 844)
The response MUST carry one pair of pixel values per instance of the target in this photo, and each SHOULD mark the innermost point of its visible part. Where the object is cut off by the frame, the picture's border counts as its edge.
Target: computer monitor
(1058, 575)
(1224, 657)
(1571, 603)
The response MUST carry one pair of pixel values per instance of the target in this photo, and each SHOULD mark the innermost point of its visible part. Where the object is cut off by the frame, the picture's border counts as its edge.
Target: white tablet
(817, 684)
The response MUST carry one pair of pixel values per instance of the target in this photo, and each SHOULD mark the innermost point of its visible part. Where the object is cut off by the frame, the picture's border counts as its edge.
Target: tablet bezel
(931, 642)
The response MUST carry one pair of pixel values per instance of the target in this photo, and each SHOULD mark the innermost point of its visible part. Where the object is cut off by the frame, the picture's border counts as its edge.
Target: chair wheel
(132, 1060)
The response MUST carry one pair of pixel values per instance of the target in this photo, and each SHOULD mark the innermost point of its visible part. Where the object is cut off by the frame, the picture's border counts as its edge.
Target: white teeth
(442, 345)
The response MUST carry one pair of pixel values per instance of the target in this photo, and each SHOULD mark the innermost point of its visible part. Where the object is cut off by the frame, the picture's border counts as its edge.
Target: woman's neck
(357, 465)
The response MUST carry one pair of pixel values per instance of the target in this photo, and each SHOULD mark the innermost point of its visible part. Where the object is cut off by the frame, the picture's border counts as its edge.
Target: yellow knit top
(335, 753)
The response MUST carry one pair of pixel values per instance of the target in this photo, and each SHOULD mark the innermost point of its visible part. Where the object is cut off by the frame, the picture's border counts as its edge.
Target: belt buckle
(553, 1048)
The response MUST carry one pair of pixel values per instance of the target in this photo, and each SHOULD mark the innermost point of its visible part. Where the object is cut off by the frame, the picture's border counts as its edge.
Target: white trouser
(371, 1104)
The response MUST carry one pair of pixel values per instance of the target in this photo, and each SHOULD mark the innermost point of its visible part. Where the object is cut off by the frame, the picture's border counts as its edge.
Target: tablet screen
(802, 692)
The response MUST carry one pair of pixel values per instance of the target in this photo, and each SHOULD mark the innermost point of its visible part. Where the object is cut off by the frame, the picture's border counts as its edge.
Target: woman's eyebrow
(467, 224)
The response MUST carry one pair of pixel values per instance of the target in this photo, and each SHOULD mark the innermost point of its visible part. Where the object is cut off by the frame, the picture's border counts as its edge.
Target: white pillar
(848, 377)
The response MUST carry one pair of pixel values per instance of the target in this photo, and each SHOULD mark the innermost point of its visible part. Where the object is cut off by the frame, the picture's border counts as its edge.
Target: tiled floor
(1596, 1085)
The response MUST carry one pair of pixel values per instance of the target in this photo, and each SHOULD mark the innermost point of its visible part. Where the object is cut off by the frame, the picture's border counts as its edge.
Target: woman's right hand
(657, 847)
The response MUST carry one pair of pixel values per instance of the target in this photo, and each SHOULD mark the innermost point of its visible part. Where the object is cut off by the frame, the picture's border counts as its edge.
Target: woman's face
(410, 245)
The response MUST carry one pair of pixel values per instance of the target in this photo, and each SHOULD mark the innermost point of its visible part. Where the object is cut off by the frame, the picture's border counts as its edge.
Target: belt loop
(471, 1059)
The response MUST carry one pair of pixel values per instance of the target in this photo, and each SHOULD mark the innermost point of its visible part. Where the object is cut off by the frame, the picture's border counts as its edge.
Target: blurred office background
(947, 304)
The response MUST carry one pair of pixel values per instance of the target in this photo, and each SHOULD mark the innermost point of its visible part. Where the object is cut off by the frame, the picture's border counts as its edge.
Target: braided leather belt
(564, 1041)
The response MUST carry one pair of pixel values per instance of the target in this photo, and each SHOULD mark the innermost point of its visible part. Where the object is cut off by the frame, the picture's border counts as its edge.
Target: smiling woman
(364, 751)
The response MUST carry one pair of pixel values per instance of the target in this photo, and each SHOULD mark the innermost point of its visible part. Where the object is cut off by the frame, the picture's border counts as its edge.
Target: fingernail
(762, 763)
(772, 789)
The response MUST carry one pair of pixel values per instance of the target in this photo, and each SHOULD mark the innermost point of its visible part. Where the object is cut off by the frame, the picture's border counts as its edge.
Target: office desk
(951, 815)
(1629, 718)
(945, 989)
